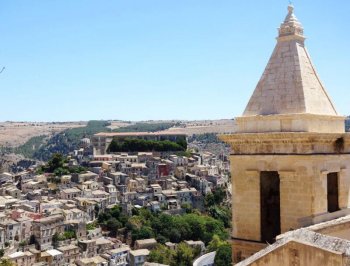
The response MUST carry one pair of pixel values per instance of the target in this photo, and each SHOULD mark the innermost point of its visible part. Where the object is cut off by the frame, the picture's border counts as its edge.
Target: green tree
(69, 234)
(144, 232)
(77, 169)
(146, 224)
(91, 226)
(186, 153)
(221, 213)
(215, 243)
(223, 255)
(197, 250)
(183, 255)
(215, 198)
(6, 262)
(182, 142)
(113, 225)
(215, 207)
(219, 195)
(55, 239)
(114, 146)
(161, 254)
(187, 207)
(175, 235)
(55, 162)
(209, 200)
(133, 145)
(161, 239)
(22, 244)
(146, 127)
(60, 171)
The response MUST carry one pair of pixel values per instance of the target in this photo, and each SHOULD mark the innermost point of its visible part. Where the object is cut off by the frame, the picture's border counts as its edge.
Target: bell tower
(290, 155)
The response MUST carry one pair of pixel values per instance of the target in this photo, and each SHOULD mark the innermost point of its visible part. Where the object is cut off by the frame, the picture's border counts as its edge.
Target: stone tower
(290, 155)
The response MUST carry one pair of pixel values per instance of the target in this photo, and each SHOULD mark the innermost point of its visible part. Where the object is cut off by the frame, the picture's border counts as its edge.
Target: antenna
(3, 68)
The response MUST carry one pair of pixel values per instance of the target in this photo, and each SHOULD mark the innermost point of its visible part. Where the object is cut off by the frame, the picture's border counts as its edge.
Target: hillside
(38, 141)
(14, 134)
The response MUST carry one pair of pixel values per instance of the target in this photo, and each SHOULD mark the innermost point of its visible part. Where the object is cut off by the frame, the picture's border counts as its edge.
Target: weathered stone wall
(303, 188)
(336, 227)
(290, 123)
(303, 161)
(246, 203)
(295, 253)
(244, 249)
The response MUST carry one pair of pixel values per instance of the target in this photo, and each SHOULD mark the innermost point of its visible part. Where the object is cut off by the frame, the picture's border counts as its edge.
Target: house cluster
(44, 220)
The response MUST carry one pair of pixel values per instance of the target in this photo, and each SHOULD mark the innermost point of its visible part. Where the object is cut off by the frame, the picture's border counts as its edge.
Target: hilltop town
(94, 205)
(269, 187)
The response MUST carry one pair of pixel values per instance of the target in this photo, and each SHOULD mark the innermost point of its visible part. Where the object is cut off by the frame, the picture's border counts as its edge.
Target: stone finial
(291, 26)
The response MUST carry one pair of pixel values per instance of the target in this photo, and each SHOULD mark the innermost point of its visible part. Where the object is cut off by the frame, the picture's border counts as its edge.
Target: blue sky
(155, 59)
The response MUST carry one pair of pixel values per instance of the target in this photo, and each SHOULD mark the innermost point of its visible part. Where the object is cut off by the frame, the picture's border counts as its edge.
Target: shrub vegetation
(138, 145)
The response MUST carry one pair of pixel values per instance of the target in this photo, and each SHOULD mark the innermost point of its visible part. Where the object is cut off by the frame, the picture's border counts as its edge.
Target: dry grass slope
(13, 134)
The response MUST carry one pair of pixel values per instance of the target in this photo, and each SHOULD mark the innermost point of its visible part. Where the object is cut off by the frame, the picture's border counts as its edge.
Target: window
(270, 205)
(332, 192)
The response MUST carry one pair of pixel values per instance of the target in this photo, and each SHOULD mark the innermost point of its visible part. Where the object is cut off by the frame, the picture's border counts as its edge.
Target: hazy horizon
(120, 120)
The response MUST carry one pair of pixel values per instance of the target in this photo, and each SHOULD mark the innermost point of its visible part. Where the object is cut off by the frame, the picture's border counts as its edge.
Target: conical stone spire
(290, 87)
(290, 83)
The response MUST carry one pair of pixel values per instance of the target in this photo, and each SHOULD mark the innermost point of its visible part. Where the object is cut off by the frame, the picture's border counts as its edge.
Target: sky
(155, 59)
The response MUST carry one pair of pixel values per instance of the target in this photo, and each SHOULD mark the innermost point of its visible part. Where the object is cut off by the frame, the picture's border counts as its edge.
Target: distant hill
(14, 134)
(40, 140)
(42, 147)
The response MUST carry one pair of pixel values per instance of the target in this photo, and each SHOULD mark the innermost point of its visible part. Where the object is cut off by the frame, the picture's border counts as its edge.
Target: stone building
(45, 228)
(290, 154)
(138, 257)
(21, 258)
(70, 253)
